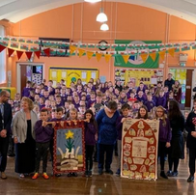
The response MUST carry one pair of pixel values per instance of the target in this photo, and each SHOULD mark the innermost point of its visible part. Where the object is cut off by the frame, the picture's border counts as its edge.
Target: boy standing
(43, 134)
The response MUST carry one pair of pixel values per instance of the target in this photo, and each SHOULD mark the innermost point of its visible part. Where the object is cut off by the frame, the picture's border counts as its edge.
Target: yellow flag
(153, 56)
(162, 54)
(89, 54)
(107, 57)
(144, 57)
(98, 55)
(81, 52)
(171, 51)
(126, 58)
(72, 49)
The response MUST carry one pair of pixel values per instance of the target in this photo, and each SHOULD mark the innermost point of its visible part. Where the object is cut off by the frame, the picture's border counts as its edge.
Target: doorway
(185, 77)
(29, 72)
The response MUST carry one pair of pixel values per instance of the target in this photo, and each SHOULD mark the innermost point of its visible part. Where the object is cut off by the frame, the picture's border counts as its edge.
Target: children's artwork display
(69, 149)
(72, 74)
(139, 149)
(148, 76)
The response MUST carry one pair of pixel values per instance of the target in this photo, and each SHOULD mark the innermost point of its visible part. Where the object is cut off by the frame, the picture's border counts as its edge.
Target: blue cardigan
(107, 132)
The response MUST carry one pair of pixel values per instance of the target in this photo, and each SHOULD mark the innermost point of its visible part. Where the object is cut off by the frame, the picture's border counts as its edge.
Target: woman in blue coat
(107, 135)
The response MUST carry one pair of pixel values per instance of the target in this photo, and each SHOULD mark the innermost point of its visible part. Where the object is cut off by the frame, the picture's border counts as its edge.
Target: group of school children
(84, 102)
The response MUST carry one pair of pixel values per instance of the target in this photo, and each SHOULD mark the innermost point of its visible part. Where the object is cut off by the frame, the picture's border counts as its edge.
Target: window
(2, 59)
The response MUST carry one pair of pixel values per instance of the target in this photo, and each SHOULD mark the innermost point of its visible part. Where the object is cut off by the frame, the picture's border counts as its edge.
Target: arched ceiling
(16, 10)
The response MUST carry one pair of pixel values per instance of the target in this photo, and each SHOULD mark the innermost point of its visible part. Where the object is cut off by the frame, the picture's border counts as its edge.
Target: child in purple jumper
(43, 135)
(90, 127)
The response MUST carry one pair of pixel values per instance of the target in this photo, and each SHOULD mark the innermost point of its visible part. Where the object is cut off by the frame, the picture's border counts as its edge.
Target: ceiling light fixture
(102, 17)
(104, 27)
(92, 1)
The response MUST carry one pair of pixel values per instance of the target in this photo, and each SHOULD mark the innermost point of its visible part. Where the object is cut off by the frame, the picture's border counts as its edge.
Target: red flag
(37, 53)
(10, 52)
(19, 54)
(29, 54)
(47, 51)
(2, 48)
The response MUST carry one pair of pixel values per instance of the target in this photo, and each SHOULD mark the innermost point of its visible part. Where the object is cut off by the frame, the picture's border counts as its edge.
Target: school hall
(97, 97)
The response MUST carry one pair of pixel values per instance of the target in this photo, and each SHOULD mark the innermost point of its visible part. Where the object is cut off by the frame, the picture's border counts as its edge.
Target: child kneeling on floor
(43, 133)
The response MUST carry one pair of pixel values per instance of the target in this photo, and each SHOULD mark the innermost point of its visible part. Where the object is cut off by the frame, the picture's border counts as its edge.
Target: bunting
(144, 57)
(153, 56)
(126, 58)
(162, 54)
(10, 52)
(29, 54)
(81, 52)
(19, 54)
(89, 54)
(171, 51)
(98, 56)
(108, 57)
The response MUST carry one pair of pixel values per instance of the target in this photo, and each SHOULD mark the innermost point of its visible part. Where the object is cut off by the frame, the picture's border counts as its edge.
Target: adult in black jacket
(169, 82)
(5, 124)
(191, 141)
(176, 151)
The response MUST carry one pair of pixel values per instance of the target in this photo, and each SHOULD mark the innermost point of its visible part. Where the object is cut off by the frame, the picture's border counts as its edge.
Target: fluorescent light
(92, 1)
(104, 27)
(101, 17)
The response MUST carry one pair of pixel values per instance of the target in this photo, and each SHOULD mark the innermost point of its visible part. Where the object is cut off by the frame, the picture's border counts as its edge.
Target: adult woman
(107, 135)
(23, 133)
(176, 151)
(177, 90)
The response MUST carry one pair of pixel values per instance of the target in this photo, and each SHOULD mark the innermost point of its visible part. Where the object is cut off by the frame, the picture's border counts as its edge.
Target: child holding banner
(164, 137)
(125, 113)
(43, 135)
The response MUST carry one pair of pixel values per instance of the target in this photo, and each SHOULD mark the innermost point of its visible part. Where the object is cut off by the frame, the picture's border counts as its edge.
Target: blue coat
(107, 132)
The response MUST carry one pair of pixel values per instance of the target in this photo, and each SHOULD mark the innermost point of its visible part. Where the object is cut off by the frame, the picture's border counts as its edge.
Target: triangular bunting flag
(10, 51)
(108, 57)
(72, 49)
(126, 58)
(144, 57)
(153, 56)
(19, 54)
(47, 51)
(89, 54)
(98, 56)
(37, 53)
(29, 54)
(162, 54)
(2, 48)
(81, 52)
(171, 51)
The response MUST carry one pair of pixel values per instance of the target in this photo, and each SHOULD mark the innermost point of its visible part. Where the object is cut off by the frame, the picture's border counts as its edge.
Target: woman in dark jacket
(177, 123)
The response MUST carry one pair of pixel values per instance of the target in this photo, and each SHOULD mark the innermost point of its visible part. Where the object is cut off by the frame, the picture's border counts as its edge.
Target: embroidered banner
(139, 149)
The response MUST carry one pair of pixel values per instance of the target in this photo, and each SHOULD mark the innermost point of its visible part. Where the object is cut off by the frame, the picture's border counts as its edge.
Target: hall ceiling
(16, 10)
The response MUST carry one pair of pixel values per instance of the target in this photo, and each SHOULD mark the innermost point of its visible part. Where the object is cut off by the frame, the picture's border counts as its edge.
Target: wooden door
(188, 97)
(23, 79)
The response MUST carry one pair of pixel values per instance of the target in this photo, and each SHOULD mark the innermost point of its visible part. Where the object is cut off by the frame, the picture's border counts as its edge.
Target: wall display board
(148, 76)
(139, 149)
(69, 148)
(72, 74)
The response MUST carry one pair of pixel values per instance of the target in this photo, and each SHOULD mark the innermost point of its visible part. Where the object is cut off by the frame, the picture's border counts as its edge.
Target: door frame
(193, 79)
(18, 64)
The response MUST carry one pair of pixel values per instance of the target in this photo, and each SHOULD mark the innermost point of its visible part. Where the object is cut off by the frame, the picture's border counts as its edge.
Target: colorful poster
(69, 149)
(139, 149)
